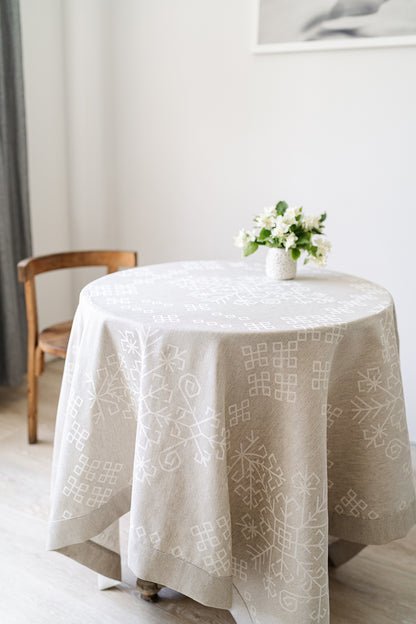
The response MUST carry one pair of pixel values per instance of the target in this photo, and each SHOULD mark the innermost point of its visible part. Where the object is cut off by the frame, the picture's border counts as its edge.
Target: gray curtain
(15, 241)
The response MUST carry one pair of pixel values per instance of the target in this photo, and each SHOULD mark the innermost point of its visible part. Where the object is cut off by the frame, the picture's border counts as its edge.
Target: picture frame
(335, 33)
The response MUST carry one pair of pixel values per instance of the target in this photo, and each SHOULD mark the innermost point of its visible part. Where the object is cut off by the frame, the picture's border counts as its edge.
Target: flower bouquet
(286, 228)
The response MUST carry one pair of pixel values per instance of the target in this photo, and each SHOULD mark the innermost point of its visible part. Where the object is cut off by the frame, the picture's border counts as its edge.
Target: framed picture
(291, 25)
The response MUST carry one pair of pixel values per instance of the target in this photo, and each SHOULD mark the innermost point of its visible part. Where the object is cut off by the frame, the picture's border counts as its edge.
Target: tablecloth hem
(96, 557)
(182, 576)
(378, 531)
(69, 531)
(239, 609)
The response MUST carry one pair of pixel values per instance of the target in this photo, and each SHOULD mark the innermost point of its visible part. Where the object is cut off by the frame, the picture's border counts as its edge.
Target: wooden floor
(38, 587)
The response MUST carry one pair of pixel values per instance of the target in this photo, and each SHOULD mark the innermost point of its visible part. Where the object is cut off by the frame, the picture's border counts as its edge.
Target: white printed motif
(109, 472)
(172, 417)
(284, 354)
(333, 413)
(282, 385)
(285, 387)
(239, 568)
(249, 291)
(166, 318)
(379, 404)
(154, 539)
(251, 467)
(77, 436)
(239, 413)
(109, 393)
(86, 468)
(320, 376)
(259, 384)
(74, 405)
(75, 490)
(282, 531)
(99, 496)
(214, 540)
(144, 470)
(205, 433)
(255, 357)
(90, 481)
(352, 505)
(168, 295)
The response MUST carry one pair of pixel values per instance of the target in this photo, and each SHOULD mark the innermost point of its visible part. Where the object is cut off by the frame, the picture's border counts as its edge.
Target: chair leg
(32, 399)
(39, 362)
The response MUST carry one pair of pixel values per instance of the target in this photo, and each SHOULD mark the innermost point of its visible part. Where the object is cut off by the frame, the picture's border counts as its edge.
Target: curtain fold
(15, 237)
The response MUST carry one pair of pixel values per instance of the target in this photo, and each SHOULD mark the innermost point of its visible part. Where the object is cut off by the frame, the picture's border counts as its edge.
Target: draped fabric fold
(15, 238)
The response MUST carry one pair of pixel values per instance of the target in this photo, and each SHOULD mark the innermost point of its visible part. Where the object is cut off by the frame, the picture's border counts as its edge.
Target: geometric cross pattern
(214, 539)
(351, 505)
(239, 413)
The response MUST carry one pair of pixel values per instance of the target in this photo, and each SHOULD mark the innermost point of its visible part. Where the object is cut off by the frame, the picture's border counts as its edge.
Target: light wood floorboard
(38, 587)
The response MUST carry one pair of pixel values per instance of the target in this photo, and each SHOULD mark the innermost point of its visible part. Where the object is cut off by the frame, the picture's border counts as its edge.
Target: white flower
(290, 241)
(311, 222)
(318, 260)
(324, 247)
(323, 244)
(280, 228)
(267, 219)
(290, 215)
(242, 237)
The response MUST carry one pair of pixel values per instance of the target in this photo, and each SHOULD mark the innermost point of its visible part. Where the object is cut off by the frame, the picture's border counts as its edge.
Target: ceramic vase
(280, 264)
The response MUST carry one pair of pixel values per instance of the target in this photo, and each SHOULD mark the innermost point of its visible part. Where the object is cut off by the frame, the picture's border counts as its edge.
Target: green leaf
(281, 207)
(264, 234)
(295, 253)
(304, 239)
(323, 217)
(249, 248)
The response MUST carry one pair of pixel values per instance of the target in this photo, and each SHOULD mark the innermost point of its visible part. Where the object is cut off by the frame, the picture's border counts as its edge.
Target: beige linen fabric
(240, 420)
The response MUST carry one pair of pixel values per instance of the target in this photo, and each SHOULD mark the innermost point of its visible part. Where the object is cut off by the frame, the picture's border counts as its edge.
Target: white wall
(208, 134)
(42, 37)
(66, 60)
(200, 134)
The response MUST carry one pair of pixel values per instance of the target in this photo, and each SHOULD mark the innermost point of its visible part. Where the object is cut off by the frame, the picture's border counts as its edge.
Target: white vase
(280, 264)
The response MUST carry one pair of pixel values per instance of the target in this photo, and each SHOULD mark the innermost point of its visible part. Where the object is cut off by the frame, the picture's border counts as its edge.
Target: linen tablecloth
(240, 420)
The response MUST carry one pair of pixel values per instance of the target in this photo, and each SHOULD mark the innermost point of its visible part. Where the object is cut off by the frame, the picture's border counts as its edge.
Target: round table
(240, 420)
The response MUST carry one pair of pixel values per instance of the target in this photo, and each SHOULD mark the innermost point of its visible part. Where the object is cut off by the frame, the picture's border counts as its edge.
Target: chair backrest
(30, 267)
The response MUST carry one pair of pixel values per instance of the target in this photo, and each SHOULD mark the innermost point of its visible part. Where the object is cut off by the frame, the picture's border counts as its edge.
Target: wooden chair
(54, 339)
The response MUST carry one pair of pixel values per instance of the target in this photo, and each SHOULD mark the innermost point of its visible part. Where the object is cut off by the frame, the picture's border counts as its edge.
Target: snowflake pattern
(109, 393)
(282, 532)
(152, 387)
(378, 406)
(251, 469)
(172, 417)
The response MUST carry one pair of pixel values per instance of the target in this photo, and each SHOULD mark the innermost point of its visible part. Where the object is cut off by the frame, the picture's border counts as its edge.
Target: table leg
(341, 551)
(148, 590)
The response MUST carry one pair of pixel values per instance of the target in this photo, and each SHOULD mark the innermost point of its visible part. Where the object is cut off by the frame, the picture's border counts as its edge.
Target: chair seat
(54, 339)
